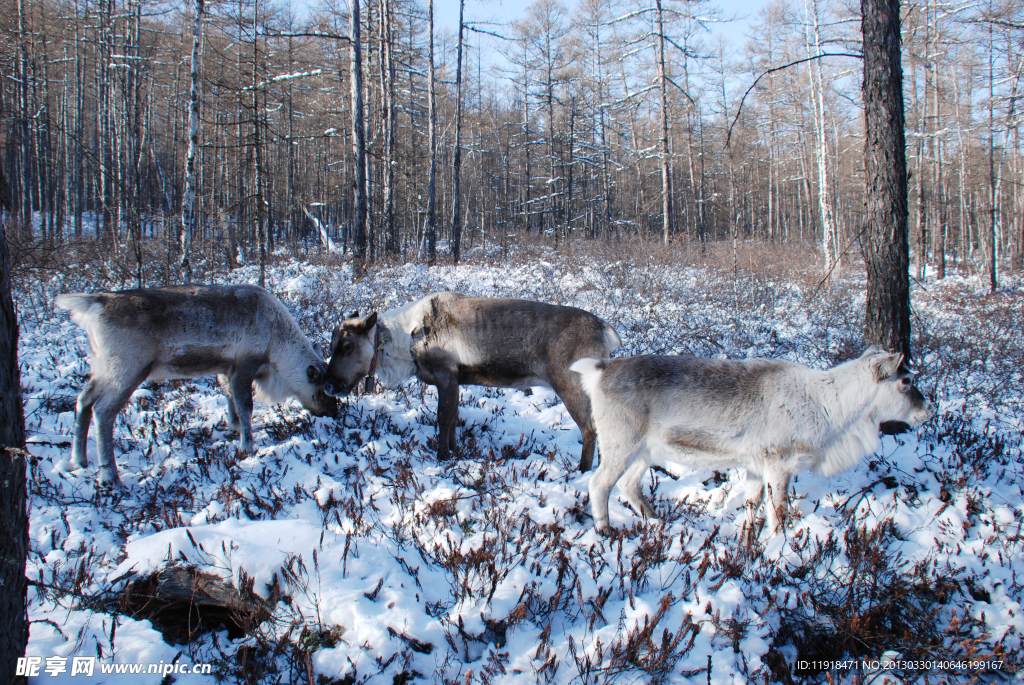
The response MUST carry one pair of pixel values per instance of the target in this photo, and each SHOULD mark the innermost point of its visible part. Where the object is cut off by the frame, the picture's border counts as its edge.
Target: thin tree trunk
(257, 150)
(188, 203)
(667, 213)
(940, 224)
(358, 146)
(388, 113)
(25, 176)
(457, 154)
(921, 218)
(78, 165)
(818, 101)
(962, 174)
(432, 141)
(605, 160)
(993, 252)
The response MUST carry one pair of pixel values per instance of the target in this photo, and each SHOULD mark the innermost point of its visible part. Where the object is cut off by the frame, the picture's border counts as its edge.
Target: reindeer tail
(589, 370)
(84, 307)
(612, 341)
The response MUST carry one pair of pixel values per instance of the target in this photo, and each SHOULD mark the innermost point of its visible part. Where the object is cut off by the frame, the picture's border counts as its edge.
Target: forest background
(609, 121)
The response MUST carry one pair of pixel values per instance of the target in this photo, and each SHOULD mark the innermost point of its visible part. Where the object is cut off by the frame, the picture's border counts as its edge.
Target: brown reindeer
(242, 333)
(448, 339)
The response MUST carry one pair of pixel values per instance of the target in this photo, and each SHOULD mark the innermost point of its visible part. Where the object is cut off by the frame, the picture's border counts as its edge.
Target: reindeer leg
(86, 400)
(613, 464)
(578, 405)
(632, 486)
(241, 395)
(225, 386)
(447, 415)
(755, 495)
(777, 482)
(106, 409)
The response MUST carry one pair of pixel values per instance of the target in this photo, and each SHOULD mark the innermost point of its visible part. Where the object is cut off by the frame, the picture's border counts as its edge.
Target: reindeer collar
(380, 338)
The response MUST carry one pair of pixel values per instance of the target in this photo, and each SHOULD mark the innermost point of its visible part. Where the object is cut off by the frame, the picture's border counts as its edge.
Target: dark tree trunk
(13, 514)
(667, 212)
(432, 144)
(359, 232)
(885, 245)
(456, 245)
(257, 150)
(387, 87)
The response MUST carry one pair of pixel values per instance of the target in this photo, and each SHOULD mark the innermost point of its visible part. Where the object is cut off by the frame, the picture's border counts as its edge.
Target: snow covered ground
(385, 566)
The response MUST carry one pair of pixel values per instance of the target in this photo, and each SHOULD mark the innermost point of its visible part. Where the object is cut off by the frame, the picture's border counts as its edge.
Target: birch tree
(188, 204)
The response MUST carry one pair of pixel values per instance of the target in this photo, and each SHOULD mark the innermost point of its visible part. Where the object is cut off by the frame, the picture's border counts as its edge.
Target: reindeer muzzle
(336, 391)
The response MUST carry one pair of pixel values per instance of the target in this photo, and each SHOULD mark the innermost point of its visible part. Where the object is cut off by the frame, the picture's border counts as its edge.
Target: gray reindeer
(448, 339)
(242, 333)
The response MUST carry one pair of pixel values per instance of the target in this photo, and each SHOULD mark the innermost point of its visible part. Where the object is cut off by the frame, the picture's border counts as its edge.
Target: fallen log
(183, 603)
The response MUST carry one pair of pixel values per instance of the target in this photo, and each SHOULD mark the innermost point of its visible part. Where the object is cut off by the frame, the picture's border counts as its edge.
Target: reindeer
(242, 333)
(770, 417)
(447, 339)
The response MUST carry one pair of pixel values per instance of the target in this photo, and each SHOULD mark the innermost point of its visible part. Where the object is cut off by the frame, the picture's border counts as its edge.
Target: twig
(739, 110)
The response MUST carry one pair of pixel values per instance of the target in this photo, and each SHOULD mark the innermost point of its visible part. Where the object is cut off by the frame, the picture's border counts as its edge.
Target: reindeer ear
(886, 365)
(872, 351)
(354, 315)
(368, 323)
(335, 339)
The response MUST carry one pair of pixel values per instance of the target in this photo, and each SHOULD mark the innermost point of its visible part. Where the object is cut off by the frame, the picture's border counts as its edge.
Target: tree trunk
(79, 167)
(667, 218)
(388, 113)
(358, 146)
(13, 512)
(457, 156)
(829, 250)
(188, 202)
(993, 283)
(24, 175)
(885, 245)
(257, 149)
(432, 142)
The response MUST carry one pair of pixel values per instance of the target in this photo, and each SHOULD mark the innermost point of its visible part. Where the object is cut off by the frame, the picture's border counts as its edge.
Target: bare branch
(739, 110)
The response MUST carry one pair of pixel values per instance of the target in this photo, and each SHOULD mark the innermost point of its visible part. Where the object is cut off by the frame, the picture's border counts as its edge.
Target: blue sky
(507, 11)
(447, 15)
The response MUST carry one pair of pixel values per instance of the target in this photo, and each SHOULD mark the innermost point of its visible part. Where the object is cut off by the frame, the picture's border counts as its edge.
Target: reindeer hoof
(109, 482)
(646, 510)
(72, 464)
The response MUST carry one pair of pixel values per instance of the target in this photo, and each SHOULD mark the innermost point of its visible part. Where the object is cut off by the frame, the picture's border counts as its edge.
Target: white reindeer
(770, 417)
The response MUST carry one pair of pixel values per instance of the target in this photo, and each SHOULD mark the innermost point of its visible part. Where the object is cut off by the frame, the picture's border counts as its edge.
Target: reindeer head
(897, 400)
(351, 354)
(312, 395)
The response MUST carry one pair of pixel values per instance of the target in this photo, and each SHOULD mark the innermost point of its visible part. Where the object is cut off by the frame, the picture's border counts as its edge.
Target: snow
(491, 559)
